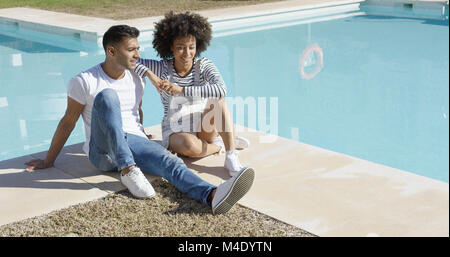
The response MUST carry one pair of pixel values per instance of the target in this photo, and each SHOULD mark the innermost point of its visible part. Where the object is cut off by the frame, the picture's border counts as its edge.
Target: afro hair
(173, 26)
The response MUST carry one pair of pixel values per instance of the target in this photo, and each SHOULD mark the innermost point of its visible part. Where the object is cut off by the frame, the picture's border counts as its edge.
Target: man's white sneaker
(137, 184)
(232, 163)
(231, 191)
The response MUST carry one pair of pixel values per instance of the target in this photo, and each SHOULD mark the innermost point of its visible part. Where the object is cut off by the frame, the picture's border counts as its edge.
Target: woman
(192, 91)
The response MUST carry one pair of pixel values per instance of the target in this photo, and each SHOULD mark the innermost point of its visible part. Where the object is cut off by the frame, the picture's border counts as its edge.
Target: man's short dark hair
(116, 33)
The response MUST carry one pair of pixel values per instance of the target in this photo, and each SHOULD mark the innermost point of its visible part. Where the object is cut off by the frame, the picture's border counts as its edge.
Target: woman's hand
(171, 88)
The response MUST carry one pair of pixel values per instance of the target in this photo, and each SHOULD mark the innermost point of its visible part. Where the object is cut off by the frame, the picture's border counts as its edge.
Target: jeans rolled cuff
(124, 164)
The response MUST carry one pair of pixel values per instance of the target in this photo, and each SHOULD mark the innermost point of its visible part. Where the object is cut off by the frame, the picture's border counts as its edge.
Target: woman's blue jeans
(110, 148)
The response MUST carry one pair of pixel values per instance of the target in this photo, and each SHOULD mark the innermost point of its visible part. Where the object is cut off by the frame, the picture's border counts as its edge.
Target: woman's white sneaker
(239, 143)
(137, 184)
(232, 163)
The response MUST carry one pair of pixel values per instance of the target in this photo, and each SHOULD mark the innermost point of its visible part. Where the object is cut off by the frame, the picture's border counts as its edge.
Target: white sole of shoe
(240, 187)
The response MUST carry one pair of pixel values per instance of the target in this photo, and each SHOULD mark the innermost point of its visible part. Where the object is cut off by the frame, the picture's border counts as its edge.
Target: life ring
(306, 53)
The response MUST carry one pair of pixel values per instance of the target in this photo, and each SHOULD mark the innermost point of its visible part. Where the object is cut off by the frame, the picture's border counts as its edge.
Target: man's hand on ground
(37, 164)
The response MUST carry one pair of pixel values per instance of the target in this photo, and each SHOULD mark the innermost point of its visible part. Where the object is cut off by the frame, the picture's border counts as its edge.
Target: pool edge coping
(93, 28)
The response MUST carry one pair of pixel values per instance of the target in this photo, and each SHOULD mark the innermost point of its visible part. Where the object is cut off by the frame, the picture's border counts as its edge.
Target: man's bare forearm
(62, 133)
(60, 137)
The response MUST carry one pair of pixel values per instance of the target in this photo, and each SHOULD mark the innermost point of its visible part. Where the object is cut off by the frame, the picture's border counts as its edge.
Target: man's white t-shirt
(85, 86)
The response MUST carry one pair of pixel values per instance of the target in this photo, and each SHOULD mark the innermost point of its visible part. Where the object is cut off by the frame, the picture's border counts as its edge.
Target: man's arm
(62, 133)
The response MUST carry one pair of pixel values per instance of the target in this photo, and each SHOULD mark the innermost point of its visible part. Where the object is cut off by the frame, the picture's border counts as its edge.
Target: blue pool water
(380, 93)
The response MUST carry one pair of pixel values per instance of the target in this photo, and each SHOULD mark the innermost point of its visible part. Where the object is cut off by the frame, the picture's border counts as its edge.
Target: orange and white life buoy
(319, 64)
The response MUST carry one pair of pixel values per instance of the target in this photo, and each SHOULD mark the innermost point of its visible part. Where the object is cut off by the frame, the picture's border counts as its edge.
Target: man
(109, 98)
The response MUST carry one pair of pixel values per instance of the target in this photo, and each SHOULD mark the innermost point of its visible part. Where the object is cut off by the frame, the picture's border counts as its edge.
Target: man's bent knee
(105, 97)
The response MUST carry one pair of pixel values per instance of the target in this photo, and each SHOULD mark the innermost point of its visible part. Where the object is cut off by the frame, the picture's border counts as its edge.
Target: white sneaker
(232, 163)
(231, 191)
(137, 184)
(239, 143)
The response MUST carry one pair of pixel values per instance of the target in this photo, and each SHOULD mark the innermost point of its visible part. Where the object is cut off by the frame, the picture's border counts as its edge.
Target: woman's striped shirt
(211, 82)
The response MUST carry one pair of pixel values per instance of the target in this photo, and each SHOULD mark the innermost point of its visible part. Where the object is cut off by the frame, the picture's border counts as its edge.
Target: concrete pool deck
(323, 192)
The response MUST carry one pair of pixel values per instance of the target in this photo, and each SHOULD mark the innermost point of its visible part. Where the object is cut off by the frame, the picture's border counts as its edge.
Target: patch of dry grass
(169, 214)
(127, 9)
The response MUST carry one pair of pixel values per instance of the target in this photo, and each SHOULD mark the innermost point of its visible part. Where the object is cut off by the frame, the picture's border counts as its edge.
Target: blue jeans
(110, 148)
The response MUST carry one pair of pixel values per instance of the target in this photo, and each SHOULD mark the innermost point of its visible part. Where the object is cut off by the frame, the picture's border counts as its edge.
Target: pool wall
(433, 9)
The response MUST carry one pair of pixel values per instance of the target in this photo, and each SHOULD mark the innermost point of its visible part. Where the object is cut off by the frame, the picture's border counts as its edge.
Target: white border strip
(222, 34)
(288, 19)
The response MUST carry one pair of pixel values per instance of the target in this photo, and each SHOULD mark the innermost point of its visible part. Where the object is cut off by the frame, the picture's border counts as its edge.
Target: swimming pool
(362, 83)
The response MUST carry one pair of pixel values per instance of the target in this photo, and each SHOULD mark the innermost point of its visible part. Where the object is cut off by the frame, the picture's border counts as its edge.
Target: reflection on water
(30, 46)
(311, 61)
